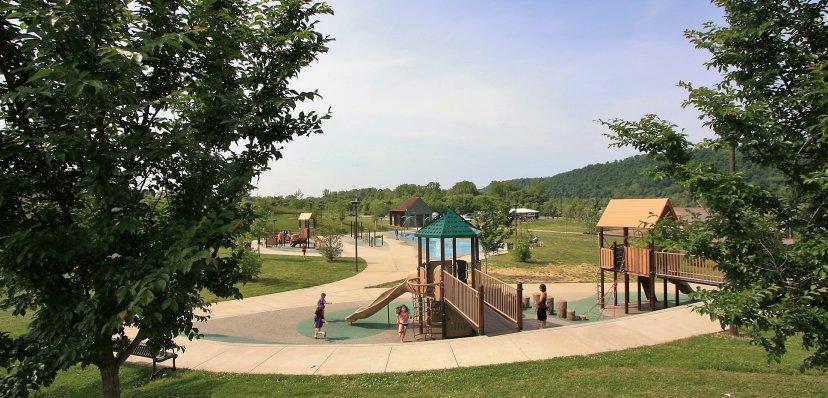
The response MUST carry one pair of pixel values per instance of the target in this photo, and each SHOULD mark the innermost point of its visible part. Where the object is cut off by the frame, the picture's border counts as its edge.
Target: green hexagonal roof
(448, 225)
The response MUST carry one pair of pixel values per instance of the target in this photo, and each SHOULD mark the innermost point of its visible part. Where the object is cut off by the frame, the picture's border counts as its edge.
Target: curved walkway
(394, 261)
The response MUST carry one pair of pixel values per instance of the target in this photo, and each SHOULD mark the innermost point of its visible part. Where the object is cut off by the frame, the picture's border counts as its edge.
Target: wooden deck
(673, 266)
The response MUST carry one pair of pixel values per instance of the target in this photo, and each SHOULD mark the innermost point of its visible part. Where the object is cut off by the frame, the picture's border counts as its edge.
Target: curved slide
(380, 302)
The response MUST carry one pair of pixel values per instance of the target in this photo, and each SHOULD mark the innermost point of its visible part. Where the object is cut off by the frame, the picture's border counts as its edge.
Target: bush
(250, 266)
(330, 246)
(521, 250)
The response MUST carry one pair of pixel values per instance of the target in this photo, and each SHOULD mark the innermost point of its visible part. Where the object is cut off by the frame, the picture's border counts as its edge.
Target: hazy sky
(447, 91)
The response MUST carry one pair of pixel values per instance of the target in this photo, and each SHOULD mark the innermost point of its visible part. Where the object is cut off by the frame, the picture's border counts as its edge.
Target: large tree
(772, 105)
(130, 135)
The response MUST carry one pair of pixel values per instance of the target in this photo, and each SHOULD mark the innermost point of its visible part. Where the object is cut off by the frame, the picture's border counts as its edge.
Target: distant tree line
(579, 193)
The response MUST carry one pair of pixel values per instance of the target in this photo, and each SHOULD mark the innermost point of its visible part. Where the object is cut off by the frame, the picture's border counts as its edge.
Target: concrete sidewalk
(394, 261)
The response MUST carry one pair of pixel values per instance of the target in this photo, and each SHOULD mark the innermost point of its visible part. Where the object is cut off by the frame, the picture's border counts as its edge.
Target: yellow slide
(381, 301)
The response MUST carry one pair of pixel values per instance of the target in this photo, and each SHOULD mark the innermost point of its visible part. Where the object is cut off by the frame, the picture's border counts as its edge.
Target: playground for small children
(451, 297)
(273, 333)
(649, 263)
(305, 234)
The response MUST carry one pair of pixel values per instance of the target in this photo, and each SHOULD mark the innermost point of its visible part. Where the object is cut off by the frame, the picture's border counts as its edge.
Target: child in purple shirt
(318, 322)
(322, 302)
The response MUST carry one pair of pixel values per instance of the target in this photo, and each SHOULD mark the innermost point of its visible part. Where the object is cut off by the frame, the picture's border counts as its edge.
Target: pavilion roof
(448, 225)
(636, 213)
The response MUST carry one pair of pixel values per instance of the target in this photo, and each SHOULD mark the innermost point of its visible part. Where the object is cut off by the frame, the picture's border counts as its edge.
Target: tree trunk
(110, 378)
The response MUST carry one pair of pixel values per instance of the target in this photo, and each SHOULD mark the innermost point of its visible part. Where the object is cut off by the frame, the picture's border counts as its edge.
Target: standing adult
(541, 306)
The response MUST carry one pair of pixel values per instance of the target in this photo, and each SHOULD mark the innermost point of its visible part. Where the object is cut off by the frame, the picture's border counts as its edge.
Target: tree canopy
(130, 135)
(771, 104)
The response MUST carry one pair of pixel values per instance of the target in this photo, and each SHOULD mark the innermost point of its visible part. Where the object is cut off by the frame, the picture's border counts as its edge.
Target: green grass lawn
(279, 274)
(568, 254)
(705, 366)
(282, 273)
(564, 257)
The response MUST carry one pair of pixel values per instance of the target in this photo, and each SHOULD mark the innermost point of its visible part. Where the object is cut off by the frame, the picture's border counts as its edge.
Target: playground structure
(307, 231)
(305, 234)
(451, 295)
(647, 263)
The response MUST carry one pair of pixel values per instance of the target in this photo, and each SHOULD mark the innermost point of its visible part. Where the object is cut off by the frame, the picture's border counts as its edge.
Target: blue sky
(448, 91)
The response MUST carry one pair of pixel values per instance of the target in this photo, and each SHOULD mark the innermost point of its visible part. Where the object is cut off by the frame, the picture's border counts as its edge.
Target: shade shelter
(451, 226)
(448, 226)
(414, 208)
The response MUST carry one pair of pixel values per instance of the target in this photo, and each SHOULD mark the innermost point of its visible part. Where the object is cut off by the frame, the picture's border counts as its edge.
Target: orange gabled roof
(636, 213)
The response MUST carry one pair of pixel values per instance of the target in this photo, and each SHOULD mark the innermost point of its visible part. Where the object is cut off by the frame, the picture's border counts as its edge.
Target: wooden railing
(637, 260)
(465, 300)
(502, 297)
(607, 258)
(687, 267)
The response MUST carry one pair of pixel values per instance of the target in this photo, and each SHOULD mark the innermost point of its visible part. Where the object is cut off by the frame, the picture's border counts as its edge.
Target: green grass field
(705, 366)
(567, 255)
(279, 274)
(282, 273)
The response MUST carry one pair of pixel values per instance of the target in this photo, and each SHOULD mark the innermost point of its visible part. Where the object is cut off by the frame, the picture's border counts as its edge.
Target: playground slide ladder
(424, 308)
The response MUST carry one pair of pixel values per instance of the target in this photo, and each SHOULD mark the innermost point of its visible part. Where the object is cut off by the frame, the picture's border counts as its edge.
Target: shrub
(521, 250)
(250, 266)
(330, 246)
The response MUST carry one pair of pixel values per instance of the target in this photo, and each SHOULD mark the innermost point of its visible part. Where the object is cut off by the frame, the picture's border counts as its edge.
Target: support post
(519, 306)
(666, 303)
(626, 293)
(677, 295)
(601, 299)
(615, 283)
(651, 271)
(638, 286)
(481, 329)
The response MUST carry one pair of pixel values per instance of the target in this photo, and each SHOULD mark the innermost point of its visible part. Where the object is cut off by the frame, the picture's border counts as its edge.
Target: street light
(274, 235)
(355, 202)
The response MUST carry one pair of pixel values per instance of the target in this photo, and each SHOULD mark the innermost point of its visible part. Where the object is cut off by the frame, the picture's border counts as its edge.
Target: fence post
(519, 306)
(480, 329)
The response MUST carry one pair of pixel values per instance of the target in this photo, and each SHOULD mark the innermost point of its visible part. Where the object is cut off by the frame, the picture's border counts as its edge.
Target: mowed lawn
(279, 273)
(567, 255)
(704, 366)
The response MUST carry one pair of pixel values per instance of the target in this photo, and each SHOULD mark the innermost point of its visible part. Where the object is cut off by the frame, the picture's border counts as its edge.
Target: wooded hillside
(626, 179)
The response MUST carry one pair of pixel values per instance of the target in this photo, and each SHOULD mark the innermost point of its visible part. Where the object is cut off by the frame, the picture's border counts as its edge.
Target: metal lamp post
(274, 234)
(355, 202)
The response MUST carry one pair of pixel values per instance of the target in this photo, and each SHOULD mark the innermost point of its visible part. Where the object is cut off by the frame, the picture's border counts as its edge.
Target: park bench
(143, 351)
